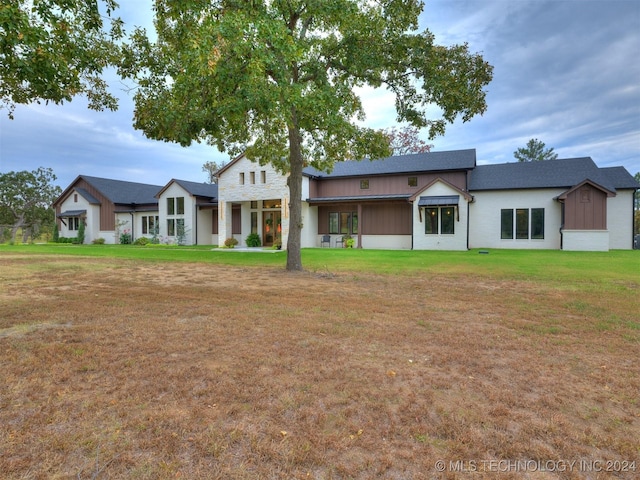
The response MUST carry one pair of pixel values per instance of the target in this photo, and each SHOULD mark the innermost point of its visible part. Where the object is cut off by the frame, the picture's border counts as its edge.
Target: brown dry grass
(118, 369)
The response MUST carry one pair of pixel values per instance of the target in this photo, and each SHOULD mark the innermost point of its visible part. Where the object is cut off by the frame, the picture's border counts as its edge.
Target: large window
(526, 223)
(74, 223)
(439, 220)
(150, 224)
(506, 223)
(522, 223)
(343, 223)
(175, 206)
(537, 223)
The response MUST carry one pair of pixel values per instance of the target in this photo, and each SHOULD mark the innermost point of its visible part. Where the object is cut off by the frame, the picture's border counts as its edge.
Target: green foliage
(230, 242)
(253, 240)
(277, 81)
(142, 241)
(53, 50)
(349, 241)
(125, 237)
(535, 152)
(56, 233)
(26, 198)
(80, 235)
(98, 241)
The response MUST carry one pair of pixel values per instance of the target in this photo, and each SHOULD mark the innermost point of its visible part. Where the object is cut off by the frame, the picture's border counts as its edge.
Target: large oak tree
(54, 50)
(278, 80)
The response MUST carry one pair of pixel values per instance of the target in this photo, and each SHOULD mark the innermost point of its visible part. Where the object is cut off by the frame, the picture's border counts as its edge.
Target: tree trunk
(14, 229)
(294, 256)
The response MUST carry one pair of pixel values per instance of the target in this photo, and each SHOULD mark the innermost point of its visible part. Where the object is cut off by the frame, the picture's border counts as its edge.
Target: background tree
(276, 79)
(406, 140)
(535, 151)
(53, 50)
(24, 195)
(211, 169)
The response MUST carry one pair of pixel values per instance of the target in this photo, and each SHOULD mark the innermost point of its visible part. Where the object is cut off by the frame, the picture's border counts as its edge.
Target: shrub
(230, 242)
(56, 233)
(141, 241)
(253, 240)
(80, 236)
(98, 241)
(125, 238)
(349, 241)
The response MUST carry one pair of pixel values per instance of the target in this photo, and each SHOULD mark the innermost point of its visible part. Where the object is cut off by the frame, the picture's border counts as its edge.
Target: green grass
(595, 269)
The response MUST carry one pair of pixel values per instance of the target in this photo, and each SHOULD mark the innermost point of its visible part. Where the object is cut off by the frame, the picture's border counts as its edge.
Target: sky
(566, 72)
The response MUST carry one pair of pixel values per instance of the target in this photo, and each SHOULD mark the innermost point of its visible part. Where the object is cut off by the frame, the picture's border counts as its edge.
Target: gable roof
(122, 192)
(414, 163)
(564, 195)
(87, 196)
(207, 190)
(563, 173)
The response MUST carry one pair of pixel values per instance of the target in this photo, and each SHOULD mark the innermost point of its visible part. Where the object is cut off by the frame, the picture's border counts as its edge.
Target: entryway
(271, 227)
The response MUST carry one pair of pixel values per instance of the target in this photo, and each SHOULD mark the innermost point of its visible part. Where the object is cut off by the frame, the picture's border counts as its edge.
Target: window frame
(537, 224)
(438, 221)
(522, 223)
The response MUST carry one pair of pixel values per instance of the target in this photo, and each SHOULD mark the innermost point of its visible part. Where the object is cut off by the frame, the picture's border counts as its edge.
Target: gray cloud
(566, 72)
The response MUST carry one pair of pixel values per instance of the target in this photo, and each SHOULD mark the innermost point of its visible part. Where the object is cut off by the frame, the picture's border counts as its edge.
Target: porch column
(359, 225)
(224, 222)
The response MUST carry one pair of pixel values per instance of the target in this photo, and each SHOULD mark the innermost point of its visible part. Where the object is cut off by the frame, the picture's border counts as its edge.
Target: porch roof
(358, 198)
(72, 213)
(439, 200)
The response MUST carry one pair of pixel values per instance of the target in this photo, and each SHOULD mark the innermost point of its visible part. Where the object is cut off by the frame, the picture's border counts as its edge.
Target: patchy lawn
(127, 369)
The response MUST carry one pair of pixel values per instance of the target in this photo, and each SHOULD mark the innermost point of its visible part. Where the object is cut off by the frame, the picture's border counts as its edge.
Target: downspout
(132, 225)
(195, 242)
(468, 219)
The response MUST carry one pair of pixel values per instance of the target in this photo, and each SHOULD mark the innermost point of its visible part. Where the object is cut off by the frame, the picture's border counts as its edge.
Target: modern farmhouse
(437, 200)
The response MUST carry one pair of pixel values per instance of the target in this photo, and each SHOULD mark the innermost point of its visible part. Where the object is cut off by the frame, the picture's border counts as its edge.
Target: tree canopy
(406, 140)
(277, 79)
(25, 197)
(535, 151)
(53, 50)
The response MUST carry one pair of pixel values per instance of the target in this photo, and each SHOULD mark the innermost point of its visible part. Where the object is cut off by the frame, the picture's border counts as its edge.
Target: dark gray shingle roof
(563, 173)
(419, 162)
(119, 191)
(209, 190)
(87, 196)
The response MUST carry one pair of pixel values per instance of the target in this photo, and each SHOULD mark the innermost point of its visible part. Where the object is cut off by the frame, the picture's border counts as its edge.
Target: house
(439, 200)
(436, 200)
(189, 212)
(108, 208)
(568, 204)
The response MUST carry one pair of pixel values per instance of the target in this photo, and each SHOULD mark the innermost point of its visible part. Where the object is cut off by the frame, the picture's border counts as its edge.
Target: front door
(271, 227)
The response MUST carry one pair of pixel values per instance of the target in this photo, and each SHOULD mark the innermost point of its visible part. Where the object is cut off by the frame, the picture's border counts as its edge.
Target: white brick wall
(423, 241)
(484, 218)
